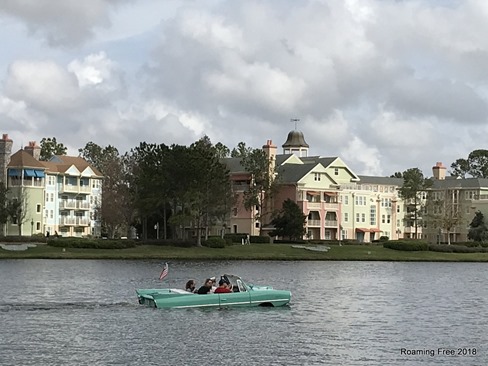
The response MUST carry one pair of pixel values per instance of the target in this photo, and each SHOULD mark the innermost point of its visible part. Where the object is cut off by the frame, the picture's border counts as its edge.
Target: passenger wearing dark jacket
(207, 286)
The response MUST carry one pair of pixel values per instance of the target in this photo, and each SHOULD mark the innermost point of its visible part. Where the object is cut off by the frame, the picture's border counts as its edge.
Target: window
(363, 217)
(357, 217)
(388, 219)
(383, 219)
(346, 217)
(257, 225)
(344, 234)
(336, 171)
(346, 200)
(51, 214)
(38, 208)
(372, 216)
(316, 176)
(38, 226)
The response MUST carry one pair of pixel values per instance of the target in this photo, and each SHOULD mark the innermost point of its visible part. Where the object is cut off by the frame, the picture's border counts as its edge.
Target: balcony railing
(330, 223)
(71, 188)
(332, 205)
(71, 205)
(74, 221)
(83, 205)
(67, 221)
(313, 222)
(82, 221)
(313, 204)
(67, 204)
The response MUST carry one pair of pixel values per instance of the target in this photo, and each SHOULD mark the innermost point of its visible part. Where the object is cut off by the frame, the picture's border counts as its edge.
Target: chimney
(270, 151)
(33, 149)
(439, 171)
(5, 153)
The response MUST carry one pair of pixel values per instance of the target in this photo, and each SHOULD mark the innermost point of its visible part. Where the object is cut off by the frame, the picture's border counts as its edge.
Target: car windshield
(237, 283)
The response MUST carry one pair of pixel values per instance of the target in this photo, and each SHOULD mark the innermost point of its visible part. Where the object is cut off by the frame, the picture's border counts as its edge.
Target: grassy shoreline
(244, 252)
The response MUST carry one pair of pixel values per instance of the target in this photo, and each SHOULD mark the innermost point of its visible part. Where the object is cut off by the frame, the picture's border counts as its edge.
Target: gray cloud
(386, 85)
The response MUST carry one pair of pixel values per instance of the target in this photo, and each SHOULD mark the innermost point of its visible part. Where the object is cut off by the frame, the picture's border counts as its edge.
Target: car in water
(243, 295)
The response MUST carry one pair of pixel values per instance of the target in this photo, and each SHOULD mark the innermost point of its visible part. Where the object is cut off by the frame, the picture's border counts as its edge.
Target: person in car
(205, 289)
(224, 287)
(190, 286)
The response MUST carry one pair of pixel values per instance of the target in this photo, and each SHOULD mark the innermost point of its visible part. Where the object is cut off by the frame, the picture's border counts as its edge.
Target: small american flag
(164, 272)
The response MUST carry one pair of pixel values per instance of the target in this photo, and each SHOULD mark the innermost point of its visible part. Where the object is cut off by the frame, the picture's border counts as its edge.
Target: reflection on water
(342, 313)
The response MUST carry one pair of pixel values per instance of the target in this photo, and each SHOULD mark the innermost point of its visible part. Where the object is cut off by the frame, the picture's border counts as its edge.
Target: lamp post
(156, 227)
(32, 227)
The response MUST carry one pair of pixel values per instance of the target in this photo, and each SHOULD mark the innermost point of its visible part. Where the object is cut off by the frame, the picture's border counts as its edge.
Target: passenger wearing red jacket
(224, 287)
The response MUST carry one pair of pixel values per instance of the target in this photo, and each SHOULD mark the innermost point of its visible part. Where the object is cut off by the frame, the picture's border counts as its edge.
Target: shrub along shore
(66, 248)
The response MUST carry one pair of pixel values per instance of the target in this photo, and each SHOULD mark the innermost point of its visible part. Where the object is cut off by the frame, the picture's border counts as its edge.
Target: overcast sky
(386, 85)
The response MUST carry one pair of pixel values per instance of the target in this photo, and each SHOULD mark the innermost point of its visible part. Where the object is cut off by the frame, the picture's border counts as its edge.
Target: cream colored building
(60, 196)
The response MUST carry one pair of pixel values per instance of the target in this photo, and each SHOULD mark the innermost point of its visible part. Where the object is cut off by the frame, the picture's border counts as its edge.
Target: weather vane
(296, 120)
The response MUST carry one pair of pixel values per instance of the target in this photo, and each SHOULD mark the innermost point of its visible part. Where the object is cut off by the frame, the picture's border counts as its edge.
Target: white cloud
(387, 85)
(41, 84)
(365, 157)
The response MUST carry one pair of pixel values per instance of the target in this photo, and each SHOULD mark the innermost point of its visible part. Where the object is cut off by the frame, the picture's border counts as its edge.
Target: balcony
(314, 204)
(331, 205)
(82, 221)
(330, 223)
(71, 188)
(67, 205)
(67, 221)
(73, 221)
(313, 223)
(73, 205)
(83, 205)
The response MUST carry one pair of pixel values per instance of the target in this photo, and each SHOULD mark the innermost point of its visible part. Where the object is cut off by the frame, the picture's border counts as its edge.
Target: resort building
(339, 204)
(451, 205)
(60, 196)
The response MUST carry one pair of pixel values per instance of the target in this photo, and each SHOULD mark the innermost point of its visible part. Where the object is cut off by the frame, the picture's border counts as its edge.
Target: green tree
(412, 191)
(210, 187)
(397, 175)
(117, 208)
(258, 197)
(50, 147)
(476, 165)
(3, 208)
(289, 222)
(222, 150)
(477, 228)
(444, 213)
(17, 208)
(241, 150)
(98, 156)
(155, 184)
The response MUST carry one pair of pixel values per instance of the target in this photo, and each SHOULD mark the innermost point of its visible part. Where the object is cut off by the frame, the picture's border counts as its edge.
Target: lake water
(69, 312)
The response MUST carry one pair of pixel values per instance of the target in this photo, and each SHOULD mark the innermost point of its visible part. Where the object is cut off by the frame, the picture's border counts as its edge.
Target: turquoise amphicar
(243, 295)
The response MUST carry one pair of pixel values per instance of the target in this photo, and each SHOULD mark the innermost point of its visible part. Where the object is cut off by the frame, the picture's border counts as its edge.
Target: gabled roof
(460, 183)
(287, 159)
(329, 162)
(380, 180)
(62, 163)
(325, 161)
(234, 165)
(292, 173)
(22, 159)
